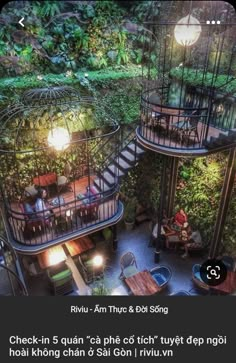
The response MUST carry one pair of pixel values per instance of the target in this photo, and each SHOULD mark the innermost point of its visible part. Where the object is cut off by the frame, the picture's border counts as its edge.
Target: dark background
(196, 316)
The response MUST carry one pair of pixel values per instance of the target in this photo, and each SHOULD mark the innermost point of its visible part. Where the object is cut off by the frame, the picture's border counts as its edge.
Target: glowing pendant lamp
(59, 138)
(187, 30)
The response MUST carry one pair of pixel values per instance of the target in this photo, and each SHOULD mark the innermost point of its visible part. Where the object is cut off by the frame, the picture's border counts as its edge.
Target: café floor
(137, 242)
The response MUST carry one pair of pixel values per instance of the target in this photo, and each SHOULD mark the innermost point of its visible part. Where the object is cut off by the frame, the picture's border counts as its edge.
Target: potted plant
(130, 214)
(100, 290)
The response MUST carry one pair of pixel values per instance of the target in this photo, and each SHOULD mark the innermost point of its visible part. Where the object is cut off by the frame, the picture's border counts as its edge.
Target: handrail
(174, 108)
(17, 278)
(39, 234)
(79, 202)
(123, 143)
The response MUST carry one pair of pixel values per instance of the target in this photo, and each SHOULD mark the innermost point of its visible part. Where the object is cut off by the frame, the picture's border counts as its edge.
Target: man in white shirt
(165, 229)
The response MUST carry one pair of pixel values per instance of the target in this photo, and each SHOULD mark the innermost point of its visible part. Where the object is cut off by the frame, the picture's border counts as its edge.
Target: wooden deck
(66, 219)
(169, 140)
(158, 128)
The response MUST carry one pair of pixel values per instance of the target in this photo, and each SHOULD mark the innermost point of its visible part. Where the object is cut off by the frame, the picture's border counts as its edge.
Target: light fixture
(69, 213)
(220, 108)
(59, 138)
(187, 31)
(56, 255)
(98, 261)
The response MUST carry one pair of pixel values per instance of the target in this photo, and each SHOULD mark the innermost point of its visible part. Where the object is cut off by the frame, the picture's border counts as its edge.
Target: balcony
(54, 147)
(75, 215)
(199, 126)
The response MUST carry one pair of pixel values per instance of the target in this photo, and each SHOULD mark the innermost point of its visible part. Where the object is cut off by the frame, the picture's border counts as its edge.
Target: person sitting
(195, 242)
(181, 219)
(89, 196)
(41, 205)
(165, 231)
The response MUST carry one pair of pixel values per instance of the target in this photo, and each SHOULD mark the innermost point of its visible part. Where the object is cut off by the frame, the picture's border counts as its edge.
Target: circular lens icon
(213, 272)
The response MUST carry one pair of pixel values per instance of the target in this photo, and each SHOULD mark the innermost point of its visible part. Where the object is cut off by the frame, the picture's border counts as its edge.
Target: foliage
(229, 233)
(199, 78)
(98, 78)
(124, 100)
(64, 36)
(198, 191)
(100, 290)
(143, 182)
(130, 210)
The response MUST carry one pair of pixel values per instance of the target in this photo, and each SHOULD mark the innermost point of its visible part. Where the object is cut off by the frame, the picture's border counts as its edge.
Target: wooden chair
(88, 212)
(188, 127)
(63, 181)
(33, 224)
(87, 268)
(128, 265)
(61, 281)
(161, 275)
(196, 277)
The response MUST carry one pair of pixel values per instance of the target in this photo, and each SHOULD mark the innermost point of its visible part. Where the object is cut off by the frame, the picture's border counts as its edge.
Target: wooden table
(177, 241)
(142, 284)
(228, 286)
(45, 180)
(51, 257)
(80, 245)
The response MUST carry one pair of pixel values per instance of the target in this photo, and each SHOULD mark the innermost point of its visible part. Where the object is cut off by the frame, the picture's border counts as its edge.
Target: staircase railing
(122, 141)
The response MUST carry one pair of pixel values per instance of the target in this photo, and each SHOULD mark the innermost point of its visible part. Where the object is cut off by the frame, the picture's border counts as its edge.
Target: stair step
(115, 170)
(95, 189)
(130, 157)
(122, 164)
(139, 150)
(108, 178)
(101, 185)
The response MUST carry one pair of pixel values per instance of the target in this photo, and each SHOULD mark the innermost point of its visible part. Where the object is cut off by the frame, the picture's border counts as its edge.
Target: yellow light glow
(187, 31)
(69, 213)
(56, 255)
(220, 108)
(59, 138)
(98, 261)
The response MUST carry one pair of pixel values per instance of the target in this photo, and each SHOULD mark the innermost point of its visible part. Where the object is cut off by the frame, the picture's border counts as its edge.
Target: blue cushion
(197, 275)
(29, 210)
(130, 271)
(160, 279)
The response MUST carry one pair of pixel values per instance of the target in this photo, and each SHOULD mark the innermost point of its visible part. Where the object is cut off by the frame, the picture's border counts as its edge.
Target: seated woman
(195, 242)
(42, 204)
(90, 196)
(181, 219)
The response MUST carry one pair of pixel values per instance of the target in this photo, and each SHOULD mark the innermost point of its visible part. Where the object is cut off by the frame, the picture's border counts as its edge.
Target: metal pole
(161, 205)
(225, 198)
(114, 240)
(23, 288)
(172, 185)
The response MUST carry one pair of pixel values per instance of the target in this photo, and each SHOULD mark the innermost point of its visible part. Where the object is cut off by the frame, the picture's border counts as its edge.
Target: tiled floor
(135, 241)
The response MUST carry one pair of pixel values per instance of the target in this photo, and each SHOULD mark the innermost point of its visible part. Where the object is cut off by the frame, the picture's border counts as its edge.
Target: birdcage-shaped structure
(188, 103)
(53, 145)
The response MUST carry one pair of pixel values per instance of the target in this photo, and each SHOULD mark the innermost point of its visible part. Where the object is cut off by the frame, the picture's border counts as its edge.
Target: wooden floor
(170, 140)
(66, 219)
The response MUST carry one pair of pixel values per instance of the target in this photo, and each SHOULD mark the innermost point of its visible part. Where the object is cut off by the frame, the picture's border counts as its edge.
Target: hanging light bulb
(59, 138)
(187, 30)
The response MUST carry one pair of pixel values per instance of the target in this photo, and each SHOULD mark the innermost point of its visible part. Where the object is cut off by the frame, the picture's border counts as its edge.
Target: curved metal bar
(23, 288)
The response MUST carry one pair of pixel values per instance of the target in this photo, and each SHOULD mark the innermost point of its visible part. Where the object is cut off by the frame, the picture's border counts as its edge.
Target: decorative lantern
(59, 138)
(187, 31)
